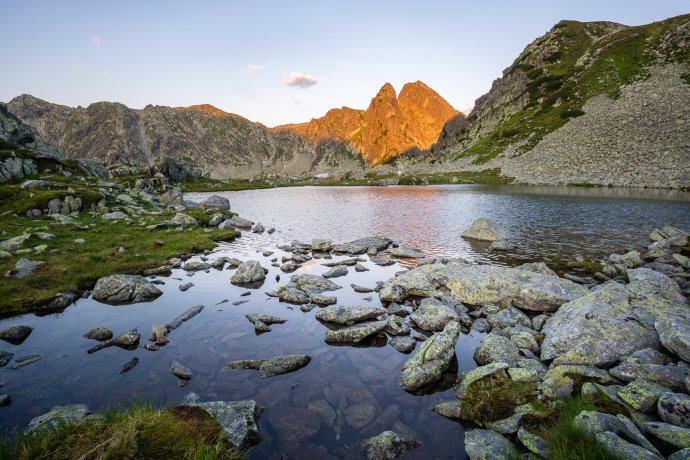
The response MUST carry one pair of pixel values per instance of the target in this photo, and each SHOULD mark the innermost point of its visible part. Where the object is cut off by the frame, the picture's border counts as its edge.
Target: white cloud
(300, 80)
(254, 68)
(296, 102)
(96, 40)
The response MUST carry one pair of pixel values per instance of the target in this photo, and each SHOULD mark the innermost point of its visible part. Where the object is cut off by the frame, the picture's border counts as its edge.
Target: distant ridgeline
(587, 103)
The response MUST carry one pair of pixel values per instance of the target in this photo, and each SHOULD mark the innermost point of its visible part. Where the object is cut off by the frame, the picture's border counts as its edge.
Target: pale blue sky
(238, 55)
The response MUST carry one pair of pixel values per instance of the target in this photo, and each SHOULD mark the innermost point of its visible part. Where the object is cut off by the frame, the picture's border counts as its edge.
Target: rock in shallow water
(282, 365)
(388, 445)
(124, 289)
(431, 360)
(99, 333)
(248, 272)
(349, 315)
(16, 335)
(485, 230)
(179, 371)
(355, 333)
(57, 416)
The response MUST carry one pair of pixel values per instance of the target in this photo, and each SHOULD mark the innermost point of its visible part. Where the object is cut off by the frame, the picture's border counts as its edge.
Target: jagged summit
(392, 124)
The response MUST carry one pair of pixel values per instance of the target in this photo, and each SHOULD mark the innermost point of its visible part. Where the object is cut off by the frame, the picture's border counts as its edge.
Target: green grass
(494, 398)
(559, 89)
(140, 431)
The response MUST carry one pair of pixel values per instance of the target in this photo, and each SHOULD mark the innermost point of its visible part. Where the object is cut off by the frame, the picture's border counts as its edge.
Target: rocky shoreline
(618, 338)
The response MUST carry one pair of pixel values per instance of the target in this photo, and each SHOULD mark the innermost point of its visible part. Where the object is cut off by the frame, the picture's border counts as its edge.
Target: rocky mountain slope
(595, 103)
(392, 124)
(219, 143)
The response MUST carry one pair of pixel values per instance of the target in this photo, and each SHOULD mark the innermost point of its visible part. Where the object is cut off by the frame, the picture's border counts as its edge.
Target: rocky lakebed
(366, 349)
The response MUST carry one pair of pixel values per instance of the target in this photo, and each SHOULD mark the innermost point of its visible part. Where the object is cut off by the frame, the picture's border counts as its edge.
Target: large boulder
(124, 289)
(236, 222)
(485, 284)
(674, 334)
(497, 349)
(485, 230)
(248, 272)
(670, 376)
(608, 324)
(593, 423)
(431, 360)
(215, 202)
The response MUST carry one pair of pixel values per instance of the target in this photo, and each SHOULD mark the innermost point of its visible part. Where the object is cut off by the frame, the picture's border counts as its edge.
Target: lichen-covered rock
(391, 293)
(537, 267)
(669, 376)
(248, 272)
(293, 295)
(485, 230)
(647, 356)
(645, 279)
(478, 374)
(674, 408)
(349, 315)
(236, 222)
(355, 333)
(404, 344)
(621, 448)
(262, 322)
(388, 445)
(608, 324)
(487, 445)
(59, 415)
(124, 289)
(179, 371)
(431, 360)
(511, 424)
(282, 365)
(642, 395)
(630, 259)
(320, 299)
(509, 317)
(485, 284)
(433, 315)
(561, 381)
(396, 326)
(497, 349)
(183, 219)
(533, 443)
(593, 423)
(674, 334)
(449, 409)
(313, 284)
(237, 418)
(668, 232)
(674, 435)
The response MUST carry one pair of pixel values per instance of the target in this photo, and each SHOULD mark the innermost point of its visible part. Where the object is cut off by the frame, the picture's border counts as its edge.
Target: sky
(277, 62)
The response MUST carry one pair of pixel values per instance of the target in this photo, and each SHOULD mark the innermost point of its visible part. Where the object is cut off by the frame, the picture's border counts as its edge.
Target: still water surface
(550, 224)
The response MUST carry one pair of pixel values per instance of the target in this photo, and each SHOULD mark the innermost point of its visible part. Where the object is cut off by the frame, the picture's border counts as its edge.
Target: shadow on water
(346, 393)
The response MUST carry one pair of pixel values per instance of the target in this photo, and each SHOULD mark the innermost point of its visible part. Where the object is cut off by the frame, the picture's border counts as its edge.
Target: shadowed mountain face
(390, 126)
(221, 144)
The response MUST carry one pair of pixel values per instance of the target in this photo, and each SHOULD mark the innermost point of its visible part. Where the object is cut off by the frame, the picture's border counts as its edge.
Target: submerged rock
(24, 361)
(431, 360)
(129, 365)
(124, 289)
(485, 230)
(349, 315)
(388, 446)
(16, 335)
(179, 371)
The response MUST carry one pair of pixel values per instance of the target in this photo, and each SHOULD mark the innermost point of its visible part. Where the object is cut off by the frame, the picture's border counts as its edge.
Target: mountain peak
(392, 124)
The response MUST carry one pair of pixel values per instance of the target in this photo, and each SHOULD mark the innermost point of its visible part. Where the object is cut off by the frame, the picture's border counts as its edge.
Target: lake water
(549, 224)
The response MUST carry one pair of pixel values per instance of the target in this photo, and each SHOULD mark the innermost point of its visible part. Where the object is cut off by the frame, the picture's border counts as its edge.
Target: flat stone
(24, 361)
(349, 315)
(669, 376)
(336, 272)
(360, 246)
(355, 333)
(674, 435)
(323, 300)
(642, 395)
(282, 365)
(196, 266)
(406, 253)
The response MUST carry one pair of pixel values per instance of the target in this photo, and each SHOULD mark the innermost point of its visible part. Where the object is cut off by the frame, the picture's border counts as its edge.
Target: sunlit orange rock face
(391, 125)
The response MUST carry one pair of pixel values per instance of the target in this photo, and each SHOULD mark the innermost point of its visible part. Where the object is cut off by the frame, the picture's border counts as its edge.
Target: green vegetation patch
(138, 432)
(494, 398)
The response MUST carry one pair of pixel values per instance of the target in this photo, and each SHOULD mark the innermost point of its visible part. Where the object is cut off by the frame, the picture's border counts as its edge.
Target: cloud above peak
(254, 68)
(300, 80)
